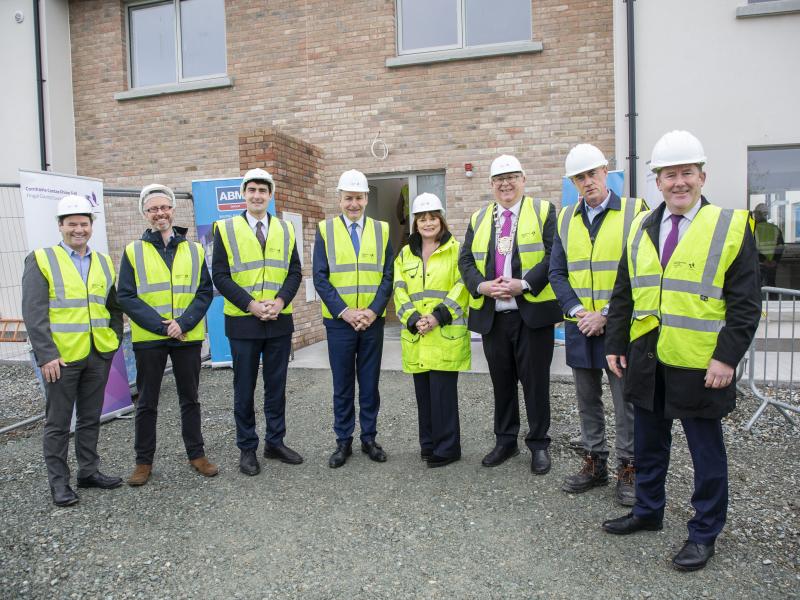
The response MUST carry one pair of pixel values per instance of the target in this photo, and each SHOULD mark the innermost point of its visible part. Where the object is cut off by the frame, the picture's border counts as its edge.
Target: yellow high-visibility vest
(685, 299)
(445, 348)
(592, 267)
(356, 278)
(259, 272)
(169, 293)
(78, 314)
(529, 241)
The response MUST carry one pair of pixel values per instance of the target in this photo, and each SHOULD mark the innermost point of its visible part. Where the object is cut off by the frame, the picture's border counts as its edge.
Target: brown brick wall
(316, 71)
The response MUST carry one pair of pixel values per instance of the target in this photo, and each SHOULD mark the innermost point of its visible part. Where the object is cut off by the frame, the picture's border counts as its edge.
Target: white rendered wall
(19, 117)
(732, 82)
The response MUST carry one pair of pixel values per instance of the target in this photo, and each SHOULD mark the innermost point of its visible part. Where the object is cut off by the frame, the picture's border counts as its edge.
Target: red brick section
(315, 71)
(296, 167)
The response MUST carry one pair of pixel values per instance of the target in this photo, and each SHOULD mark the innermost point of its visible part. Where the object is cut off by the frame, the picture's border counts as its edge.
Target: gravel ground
(368, 530)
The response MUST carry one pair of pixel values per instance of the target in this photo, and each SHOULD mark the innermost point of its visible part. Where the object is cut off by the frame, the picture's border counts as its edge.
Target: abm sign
(229, 198)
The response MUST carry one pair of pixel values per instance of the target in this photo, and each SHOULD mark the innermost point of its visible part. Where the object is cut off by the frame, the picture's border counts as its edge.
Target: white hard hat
(74, 205)
(582, 158)
(505, 163)
(353, 181)
(155, 189)
(426, 202)
(257, 175)
(677, 148)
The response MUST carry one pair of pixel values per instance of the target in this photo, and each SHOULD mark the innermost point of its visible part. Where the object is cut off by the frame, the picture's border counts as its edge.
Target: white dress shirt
(359, 225)
(253, 222)
(683, 225)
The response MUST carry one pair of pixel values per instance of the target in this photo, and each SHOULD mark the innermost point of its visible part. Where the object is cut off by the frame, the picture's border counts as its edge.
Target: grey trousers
(589, 390)
(82, 385)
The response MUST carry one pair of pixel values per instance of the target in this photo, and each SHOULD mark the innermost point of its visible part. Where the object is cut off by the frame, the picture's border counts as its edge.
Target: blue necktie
(354, 237)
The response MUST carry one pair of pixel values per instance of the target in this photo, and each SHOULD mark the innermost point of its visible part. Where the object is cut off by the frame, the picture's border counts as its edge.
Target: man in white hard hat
(353, 272)
(685, 307)
(165, 289)
(74, 325)
(583, 268)
(257, 270)
(504, 262)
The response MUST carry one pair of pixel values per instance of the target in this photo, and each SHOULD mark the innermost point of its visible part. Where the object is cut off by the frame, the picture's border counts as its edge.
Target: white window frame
(461, 17)
(182, 83)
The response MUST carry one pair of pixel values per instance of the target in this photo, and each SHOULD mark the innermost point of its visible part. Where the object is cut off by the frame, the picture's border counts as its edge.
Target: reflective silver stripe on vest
(357, 289)
(406, 306)
(400, 284)
(691, 323)
(691, 287)
(715, 252)
(535, 247)
(264, 285)
(107, 273)
(162, 309)
(647, 281)
(144, 285)
(605, 265)
(94, 298)
(565, 221)
(638, 314)
(55, 270)
(583, 292)
(537, 206)
(479, 218)
(459, 321)
(286, 242)
(69, 327)
(479, 256)
(428, 294)
(335, 267)
(630, 214)
(602, 294)
(71, 303)
(452, 304)
(101, 322)
(636, 280)
(177, 312)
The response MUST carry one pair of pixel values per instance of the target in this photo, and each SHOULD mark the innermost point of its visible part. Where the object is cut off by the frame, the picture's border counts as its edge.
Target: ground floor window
(773, 181)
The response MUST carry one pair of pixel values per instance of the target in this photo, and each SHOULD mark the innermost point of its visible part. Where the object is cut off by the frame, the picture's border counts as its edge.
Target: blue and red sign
(229, 198)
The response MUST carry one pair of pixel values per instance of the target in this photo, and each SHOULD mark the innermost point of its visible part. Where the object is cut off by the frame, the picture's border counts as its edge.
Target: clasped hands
(426, 324)
(359, 318)
(266, 310)
(502, 288)
(590, 323)
(174, 330)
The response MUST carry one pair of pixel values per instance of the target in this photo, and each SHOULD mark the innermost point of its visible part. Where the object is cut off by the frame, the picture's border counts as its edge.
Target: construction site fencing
(772, 365)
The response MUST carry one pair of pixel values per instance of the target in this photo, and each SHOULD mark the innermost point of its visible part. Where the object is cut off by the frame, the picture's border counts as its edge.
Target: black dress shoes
(98, 480)
(425, 454)
(540, 461)
(63, 495)
(693, 556)
(630, 523)
(338, 458)
(248, 463)
(499, 455)
(374, 451)
(284, 454)
(440, 461)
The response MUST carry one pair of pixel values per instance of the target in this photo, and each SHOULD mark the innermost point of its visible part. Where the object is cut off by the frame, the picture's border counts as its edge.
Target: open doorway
(390, 199)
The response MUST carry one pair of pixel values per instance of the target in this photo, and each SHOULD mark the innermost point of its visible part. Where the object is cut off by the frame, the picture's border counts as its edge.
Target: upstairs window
(434, 25)
(175, 41)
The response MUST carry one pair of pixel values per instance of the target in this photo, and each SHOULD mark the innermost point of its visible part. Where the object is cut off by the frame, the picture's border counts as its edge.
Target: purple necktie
(260, 235)
(505, 231)
(671, 241)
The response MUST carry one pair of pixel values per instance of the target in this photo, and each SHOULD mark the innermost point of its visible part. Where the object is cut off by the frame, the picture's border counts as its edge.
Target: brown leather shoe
(140, 475)
(204, 467)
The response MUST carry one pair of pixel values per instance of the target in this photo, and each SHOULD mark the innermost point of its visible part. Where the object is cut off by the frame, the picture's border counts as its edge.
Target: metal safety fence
(773, 363)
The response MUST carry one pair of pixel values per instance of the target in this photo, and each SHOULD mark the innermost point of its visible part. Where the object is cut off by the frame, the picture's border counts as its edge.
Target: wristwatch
(604, 310)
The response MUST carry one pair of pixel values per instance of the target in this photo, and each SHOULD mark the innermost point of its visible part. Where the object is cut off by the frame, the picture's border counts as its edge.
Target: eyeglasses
(501, 179)
(157, 209)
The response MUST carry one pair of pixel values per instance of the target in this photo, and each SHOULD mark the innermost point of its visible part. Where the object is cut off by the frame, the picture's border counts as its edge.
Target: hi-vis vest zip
(356, 278)
(685, 299)
(78, 314)
(261, 273)
(445, 348)
(168, 293)
(592, 267)
(529, 242)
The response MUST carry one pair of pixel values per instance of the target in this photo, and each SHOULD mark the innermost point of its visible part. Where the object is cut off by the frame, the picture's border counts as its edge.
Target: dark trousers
(652, 442)
(274, 353)
(355, 355)
(82, 386)
(437, 406)
(518, 353)
(150, 364)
